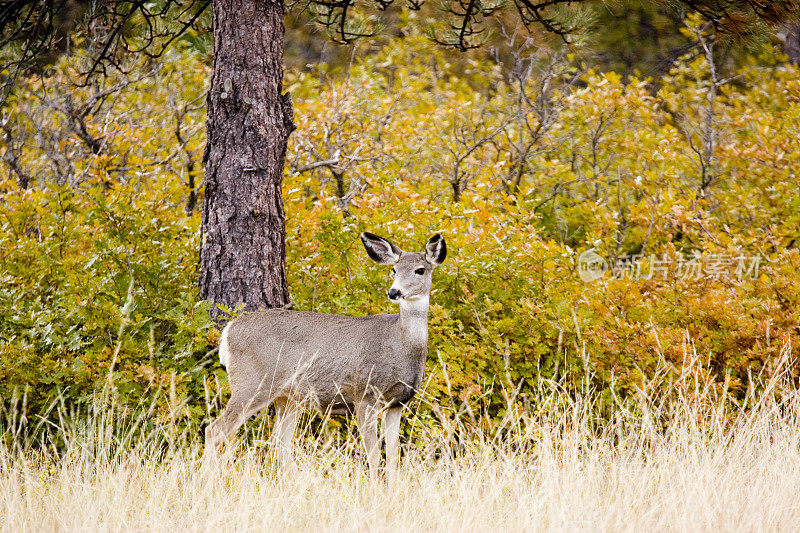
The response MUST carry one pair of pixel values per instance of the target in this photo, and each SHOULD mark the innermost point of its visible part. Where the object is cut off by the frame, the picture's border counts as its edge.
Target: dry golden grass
(690, 464)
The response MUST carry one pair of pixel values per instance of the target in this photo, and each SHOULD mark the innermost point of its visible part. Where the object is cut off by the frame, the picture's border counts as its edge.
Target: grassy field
(693, 463)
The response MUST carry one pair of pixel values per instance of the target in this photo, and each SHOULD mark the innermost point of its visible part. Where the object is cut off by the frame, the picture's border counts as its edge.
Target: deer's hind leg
(238, 409)
(286, 415)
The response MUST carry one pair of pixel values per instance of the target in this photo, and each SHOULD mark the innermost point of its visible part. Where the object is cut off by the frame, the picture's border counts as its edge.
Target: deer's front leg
(391, 429)
(367, 415)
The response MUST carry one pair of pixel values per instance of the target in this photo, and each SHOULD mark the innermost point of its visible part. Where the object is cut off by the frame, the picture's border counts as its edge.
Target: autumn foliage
(685, 188)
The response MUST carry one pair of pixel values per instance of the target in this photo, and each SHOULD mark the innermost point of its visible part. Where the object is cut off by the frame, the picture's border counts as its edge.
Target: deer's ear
(436, 250)
(380, 250)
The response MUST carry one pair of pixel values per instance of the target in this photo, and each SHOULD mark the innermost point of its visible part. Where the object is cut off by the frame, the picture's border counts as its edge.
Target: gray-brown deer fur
(333, 363)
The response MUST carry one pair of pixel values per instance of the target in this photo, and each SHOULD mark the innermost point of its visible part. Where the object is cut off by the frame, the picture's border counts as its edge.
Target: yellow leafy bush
(526, 177)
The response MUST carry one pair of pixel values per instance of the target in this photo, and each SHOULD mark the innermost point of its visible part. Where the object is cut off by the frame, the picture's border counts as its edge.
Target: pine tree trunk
(791, 43)
(249, 121)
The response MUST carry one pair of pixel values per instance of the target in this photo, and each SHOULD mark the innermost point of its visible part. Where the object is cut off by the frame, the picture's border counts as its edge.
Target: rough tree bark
(791, 43)
(249, 121)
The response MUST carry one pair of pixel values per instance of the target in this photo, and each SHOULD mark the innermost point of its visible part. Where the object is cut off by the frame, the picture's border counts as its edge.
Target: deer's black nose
(394, 294)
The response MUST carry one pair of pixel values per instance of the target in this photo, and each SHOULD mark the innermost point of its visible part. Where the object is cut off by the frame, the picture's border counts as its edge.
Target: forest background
(622, 214)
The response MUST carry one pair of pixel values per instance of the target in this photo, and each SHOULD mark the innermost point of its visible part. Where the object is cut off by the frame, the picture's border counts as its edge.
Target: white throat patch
(414, 319)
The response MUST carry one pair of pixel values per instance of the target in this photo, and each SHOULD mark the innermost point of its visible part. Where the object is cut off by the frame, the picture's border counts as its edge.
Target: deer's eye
(419, 271)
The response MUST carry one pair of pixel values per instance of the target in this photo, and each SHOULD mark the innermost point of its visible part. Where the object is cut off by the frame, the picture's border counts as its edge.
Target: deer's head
(411, 270)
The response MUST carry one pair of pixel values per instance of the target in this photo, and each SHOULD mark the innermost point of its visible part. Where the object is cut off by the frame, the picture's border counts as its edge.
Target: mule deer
(334, 363)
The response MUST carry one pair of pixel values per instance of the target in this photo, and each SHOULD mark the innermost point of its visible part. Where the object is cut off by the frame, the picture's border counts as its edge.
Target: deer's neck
(414, 324)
